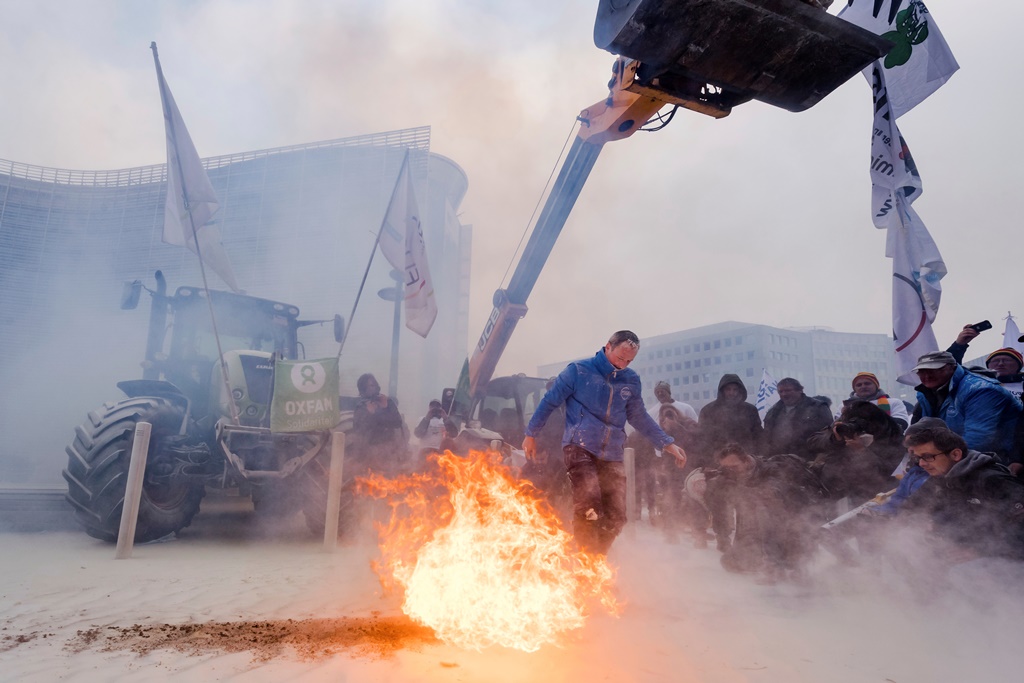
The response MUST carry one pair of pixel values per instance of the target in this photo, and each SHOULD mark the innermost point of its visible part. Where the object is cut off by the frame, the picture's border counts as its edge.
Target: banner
(767, 394)
(305, 395)
(401, 241)
(920, 61)
(191, 201)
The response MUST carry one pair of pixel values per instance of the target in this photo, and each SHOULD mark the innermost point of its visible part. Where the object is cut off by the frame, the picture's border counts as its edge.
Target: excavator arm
(703, 55)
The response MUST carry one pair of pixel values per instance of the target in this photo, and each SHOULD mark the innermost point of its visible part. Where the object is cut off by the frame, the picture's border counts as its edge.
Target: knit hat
(869, 375)
(1012, 353)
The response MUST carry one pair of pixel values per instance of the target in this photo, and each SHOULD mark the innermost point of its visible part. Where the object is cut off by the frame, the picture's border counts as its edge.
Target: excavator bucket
(786, 53)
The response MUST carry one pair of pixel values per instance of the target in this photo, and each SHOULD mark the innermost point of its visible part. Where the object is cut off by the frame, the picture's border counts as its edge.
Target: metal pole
(632, 514)
(334, 491)
(395, 330)
(133, 491)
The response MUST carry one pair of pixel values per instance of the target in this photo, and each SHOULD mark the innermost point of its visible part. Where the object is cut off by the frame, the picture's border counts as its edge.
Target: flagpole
(195, 237)
(376, 243)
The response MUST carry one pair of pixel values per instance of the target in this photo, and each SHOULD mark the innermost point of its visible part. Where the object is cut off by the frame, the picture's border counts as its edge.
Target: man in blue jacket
(975, 407)
(600, 395)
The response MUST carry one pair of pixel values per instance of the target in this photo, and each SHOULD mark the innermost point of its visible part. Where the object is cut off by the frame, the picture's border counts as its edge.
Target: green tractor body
(210, 411)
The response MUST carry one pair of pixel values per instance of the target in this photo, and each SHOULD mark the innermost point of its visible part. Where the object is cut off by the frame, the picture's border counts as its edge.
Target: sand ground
(232, 601)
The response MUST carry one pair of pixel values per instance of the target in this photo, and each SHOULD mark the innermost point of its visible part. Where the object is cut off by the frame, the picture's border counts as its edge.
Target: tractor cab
(710, 55)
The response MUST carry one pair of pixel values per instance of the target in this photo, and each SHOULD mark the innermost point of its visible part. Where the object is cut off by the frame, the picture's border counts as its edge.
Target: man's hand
(678, 453)
(530, 448)
(1016, 468)
(966, 335)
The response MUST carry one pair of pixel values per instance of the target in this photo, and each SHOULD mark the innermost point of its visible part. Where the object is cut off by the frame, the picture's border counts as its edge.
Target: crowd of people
(948, 471)
(771, 493)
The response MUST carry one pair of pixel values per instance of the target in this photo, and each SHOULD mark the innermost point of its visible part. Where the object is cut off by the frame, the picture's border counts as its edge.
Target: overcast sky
(761, 217)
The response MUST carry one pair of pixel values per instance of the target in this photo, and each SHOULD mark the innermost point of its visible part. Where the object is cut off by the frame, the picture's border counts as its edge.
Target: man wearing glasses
(971, 499)
(601, 395)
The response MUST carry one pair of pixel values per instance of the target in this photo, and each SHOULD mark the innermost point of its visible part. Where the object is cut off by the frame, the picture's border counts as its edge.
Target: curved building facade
(298, 223)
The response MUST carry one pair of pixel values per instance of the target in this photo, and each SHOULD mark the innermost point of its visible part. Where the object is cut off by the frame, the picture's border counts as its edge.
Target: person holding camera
(857, 454)
(436, 430)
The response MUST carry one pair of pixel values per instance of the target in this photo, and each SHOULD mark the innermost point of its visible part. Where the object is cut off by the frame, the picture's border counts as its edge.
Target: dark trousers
(598, 498)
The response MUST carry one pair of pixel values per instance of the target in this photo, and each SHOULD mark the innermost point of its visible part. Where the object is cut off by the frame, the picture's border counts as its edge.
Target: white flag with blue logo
(767, 394)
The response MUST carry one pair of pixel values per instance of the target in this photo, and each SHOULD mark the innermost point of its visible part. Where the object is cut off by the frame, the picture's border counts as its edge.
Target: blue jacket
(978, 409)
(599, 400)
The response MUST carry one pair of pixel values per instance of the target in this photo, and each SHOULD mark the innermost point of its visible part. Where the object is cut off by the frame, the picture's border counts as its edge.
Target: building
(299, 224)
(824, 361)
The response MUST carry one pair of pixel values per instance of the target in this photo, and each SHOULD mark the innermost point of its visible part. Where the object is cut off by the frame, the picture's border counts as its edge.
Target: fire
(482, 559)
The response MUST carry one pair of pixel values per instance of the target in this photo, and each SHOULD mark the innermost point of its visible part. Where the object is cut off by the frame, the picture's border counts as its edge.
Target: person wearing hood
(866, 387)
(970, 500)
(727, 419)
(730, 419)
(601, 395)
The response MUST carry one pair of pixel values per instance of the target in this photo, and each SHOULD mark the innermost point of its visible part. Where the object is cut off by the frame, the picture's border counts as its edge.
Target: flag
(401, 241)
(767, 394)
(920, 60)
(191, 201)
(1011, 334)
(918, 64)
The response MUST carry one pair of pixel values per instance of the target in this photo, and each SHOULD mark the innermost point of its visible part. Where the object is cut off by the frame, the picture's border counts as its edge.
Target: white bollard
(632, 513)
(133, 491)
(334, 491)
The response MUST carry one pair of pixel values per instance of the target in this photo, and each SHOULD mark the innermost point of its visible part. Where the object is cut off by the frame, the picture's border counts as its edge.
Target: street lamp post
(396, 294)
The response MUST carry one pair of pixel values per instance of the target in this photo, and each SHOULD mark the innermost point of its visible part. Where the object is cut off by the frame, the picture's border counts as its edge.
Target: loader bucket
(782, 52)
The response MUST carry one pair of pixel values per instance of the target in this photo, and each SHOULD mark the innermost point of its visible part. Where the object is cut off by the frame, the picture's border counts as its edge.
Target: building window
(707, 394)
(679, 366)
(676, 351)
(718, 360)
(750, 372)
(686, 349)
(686, 396)
(658, 354)
(739, 340)
(750, 355)
(718, 344)
(686, 364)
(728, 341)
(707, 361)
(707, 346)
(686, 380)
(675, 381)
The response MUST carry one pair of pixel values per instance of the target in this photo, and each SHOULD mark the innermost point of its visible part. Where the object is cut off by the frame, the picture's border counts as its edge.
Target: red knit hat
(869, 375)
(1012, 353)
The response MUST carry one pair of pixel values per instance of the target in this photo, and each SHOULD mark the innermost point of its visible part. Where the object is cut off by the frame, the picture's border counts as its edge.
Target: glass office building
(298, 223)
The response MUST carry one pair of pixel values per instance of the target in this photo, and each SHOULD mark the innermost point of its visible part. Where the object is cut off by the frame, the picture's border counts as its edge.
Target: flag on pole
(767, 394)
(1011, 334)
(919, 63)
(191, 201)
(401, 241)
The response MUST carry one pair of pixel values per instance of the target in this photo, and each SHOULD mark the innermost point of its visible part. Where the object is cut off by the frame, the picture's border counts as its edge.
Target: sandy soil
(230, 601)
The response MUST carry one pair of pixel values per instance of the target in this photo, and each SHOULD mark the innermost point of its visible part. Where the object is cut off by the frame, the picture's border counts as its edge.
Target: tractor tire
(314, 479)
(97, 471)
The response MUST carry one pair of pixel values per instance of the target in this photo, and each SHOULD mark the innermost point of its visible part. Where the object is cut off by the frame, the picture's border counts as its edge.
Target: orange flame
(482, 559)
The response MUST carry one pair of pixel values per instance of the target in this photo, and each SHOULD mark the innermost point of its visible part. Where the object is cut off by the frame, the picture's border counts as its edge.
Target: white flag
(401, 241)
(767, 394)
(191, 201)
(919, 62)
(1011, 335)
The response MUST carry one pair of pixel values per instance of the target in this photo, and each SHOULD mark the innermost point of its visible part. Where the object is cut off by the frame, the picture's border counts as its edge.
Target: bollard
(133, 491)
(334, 491)
(632, 514)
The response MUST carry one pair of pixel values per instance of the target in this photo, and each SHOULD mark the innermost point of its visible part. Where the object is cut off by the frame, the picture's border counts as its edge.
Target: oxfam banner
(305, 395)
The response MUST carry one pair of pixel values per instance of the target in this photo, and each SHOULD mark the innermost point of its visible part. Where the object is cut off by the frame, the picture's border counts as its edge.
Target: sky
(761, 217)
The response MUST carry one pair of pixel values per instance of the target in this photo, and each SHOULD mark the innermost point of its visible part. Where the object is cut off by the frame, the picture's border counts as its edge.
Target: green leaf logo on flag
(305, 395)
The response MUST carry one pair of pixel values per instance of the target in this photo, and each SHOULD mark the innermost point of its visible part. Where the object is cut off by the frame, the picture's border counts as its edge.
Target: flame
(482, 559)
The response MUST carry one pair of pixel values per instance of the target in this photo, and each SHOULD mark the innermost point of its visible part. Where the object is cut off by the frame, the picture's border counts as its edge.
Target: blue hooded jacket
(978, 409)
(599, 400)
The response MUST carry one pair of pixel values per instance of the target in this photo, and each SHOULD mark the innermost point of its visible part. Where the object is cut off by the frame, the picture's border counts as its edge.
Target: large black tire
(97, 471)
(314, 479)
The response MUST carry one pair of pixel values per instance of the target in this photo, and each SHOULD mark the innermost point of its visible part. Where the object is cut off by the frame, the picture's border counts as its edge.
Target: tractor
(209, 406)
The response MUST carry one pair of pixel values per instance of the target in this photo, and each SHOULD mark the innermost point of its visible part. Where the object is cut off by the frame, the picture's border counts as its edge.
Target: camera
(849, 430)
